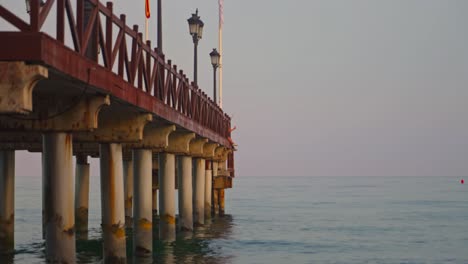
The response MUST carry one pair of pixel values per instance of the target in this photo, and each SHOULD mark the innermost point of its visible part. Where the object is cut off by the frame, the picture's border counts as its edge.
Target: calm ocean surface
(296, 220)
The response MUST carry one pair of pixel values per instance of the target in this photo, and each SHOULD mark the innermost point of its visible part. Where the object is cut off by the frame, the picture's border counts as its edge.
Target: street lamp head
(195, 26)
(28, 5)
(215, 56)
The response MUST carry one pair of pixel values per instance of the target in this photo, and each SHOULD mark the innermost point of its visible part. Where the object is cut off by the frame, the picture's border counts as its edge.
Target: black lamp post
(196, 30)
(215, 62)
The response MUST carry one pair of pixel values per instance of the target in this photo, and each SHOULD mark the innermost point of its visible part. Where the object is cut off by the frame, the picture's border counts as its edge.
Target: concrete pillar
(143, 209)
(112, 203)
(155, 201)
(81, 196)
(215, 204)
(128, 189)
(155, 182)
(221, 202)
(208, 190)
(167, 229)
(185, 193)
(199, 192)
(7, 201)
(58, 197)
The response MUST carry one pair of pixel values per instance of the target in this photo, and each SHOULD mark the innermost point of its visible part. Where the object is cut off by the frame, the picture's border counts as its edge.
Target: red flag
(147, 9)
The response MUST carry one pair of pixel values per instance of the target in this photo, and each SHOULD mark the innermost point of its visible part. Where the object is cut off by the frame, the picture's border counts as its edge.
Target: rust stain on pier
(168, 219)
(145, 224)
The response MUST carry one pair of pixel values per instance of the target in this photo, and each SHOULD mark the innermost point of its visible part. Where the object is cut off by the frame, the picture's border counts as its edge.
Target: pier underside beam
(51, 115)
(16, 86)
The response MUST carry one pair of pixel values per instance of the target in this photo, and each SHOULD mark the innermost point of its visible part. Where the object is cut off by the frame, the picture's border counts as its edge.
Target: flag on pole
(221, 22)
(221, 12)
(147, 9)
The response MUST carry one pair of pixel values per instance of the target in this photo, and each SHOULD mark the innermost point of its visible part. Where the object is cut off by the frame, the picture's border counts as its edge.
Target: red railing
(140, 65)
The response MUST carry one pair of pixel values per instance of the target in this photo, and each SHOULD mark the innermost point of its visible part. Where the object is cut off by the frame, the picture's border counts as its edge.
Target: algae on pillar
(82, 196)
(7, 201)
(58, 199)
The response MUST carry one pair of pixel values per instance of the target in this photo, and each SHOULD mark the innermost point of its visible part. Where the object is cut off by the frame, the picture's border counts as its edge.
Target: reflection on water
(195, 248)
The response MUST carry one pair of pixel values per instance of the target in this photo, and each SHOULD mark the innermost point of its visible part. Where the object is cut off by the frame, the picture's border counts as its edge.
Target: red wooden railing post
(61, 21)
(109, 24)
(34, 15)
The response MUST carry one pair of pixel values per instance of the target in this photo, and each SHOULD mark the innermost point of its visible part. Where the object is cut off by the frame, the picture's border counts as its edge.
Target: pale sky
(328, 87)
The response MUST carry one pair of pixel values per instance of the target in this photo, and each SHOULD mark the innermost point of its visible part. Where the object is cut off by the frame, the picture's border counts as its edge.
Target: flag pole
(220, 48)
(147, 16)
(146, 30)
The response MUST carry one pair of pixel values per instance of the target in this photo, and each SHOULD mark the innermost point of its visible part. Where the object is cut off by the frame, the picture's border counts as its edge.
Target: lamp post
(196, 30)
(28, 5)
(215, 62)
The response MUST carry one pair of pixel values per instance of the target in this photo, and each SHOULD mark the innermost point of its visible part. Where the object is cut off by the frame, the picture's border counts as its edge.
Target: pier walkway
(95, 88)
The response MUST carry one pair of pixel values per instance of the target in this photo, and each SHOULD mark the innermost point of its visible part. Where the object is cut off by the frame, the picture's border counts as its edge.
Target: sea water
(293, 220)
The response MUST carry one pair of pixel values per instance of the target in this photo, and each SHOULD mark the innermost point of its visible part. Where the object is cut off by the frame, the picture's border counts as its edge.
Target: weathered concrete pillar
(112, 203)
(208, 190)
(185, 193)
(154, 194)
(167, 228)
(155, 181)
(215, 204)
(128, 189)
(81, 196)
(7, 201)
(199, 192)
(221, 202)
(142, 212)
(58, 197)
